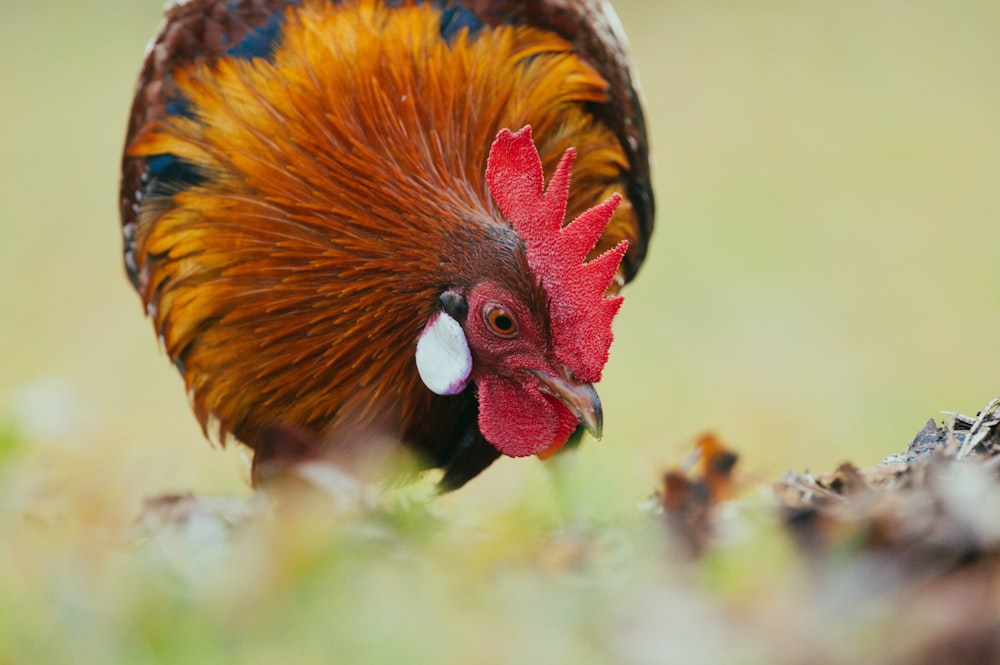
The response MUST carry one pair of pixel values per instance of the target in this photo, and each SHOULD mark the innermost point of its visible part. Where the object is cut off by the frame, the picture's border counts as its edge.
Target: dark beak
(580, 398)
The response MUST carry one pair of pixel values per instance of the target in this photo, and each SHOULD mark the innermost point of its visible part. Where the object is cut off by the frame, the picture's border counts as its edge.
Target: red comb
(581, 315)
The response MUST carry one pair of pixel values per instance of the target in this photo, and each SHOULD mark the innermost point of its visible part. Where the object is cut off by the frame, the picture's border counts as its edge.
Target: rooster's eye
(501, 321)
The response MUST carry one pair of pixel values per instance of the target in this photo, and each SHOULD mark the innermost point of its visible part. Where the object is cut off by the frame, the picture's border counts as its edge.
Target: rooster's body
(305, 197)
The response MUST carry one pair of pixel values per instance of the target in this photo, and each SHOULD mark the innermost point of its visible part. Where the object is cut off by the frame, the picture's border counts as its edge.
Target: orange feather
(342, 180)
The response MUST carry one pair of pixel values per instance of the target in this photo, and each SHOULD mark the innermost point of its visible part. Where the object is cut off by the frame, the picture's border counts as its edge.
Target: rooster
(337, 217)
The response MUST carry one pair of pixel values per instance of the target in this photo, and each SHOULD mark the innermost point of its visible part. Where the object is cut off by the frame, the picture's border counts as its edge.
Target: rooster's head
(533, 372)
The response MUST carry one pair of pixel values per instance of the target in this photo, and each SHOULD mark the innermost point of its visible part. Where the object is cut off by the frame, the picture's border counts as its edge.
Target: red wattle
(519, 420)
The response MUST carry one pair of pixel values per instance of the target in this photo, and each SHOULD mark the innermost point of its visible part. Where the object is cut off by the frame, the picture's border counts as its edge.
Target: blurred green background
(821, 279)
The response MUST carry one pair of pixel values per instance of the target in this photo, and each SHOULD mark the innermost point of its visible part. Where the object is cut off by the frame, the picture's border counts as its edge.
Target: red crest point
(581, 315)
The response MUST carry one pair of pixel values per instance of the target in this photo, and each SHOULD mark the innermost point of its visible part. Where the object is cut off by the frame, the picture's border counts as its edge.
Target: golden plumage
(340, 188)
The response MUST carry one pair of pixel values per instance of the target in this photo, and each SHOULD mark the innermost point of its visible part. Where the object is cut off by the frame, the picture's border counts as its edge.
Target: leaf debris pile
(902, 560)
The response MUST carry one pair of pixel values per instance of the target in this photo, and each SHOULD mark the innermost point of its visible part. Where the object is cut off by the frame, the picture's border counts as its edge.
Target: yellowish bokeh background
(822, 279)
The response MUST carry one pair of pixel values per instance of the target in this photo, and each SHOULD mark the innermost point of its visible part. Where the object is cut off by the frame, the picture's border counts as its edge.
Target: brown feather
(343, 191)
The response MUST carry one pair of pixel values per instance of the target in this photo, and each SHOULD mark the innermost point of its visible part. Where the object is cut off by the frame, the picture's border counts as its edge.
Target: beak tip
(594, 422)
(591, 413)
(580, 398)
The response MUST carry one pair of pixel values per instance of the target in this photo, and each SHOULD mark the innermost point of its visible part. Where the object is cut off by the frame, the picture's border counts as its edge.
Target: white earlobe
(443, 357)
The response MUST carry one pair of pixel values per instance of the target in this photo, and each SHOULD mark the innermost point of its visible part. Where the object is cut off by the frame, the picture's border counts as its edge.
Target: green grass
(820, 283)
